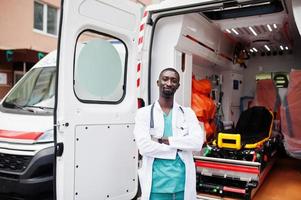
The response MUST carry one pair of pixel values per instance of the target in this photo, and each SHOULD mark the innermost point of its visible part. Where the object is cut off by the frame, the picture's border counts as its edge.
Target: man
(166, 134)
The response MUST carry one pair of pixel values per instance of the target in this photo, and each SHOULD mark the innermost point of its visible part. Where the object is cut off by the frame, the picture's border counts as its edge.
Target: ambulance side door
(96, 154)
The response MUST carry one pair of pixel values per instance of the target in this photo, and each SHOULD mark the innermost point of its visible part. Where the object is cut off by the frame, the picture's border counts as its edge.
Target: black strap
(151, 123)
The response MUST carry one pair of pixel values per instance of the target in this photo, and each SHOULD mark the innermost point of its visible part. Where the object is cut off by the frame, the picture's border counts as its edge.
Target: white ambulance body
(99, 91)
(26, 132)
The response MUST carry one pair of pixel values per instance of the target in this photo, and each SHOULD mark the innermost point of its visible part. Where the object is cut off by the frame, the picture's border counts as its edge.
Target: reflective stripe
(140, 44)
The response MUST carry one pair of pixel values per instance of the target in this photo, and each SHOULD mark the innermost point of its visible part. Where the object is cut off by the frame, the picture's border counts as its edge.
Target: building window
(45, 18)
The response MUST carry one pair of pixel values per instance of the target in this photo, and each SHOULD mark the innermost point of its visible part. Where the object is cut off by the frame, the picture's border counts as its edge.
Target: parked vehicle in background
(26, 132)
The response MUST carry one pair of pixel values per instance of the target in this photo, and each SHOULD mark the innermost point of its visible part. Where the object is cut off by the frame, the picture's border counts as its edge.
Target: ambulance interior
(229, 53)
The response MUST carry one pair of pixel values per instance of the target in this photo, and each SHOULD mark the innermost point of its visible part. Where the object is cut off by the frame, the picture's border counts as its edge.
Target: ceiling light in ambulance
(281, 47)
(269, 27)
(286, 47)
(228, 30)
(251, 50)
(267, 48)
(255, 49)
(275, 26)
(234, 31)
(252, 30)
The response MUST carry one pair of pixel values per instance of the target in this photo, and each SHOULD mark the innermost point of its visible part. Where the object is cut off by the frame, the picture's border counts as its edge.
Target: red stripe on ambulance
(138, 67)
(140, 40)
(21, 135)
(141, 27)
(140, 44)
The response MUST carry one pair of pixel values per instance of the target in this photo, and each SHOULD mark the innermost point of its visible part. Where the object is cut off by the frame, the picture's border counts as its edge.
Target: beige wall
(16, 24)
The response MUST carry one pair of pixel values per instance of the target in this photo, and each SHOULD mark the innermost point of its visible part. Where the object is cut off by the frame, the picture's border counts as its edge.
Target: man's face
(168, 84)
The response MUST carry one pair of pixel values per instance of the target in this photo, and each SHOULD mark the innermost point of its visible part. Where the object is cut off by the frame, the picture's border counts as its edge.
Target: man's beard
(168, 93)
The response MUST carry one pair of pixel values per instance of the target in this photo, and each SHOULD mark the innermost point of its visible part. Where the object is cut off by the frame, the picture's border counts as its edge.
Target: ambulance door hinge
(149, 20)
(61, 125)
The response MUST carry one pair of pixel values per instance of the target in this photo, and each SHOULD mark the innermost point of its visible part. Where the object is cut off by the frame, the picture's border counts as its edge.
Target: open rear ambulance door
(96, 154)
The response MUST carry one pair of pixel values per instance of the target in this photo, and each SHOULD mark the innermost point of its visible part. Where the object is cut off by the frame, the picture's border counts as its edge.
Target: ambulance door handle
(59, 149)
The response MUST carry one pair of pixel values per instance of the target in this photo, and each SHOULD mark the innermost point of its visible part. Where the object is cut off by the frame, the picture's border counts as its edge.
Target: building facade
(29, 31)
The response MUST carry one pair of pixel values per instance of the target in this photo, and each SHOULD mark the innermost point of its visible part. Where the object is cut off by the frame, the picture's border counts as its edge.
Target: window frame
(125, 68)
(45, 19)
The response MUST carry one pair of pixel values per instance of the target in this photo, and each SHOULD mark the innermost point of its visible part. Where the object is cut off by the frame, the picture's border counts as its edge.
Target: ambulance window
(99, 73)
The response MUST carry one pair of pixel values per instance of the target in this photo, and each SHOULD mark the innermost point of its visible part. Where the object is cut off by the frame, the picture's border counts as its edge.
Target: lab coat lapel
(174, 117)
(158, 119)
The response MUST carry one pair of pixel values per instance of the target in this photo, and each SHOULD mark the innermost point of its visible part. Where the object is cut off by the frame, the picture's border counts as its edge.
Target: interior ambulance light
(269, 27)
(234, 31)
(267, 48)
(251, 50)
(228, 30)
(252, 30)
(255, 49)
(281, 47)
(286, 48)
(275, 26)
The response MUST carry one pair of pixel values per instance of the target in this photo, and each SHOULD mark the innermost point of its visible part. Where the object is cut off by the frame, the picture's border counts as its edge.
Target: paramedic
(166, 134)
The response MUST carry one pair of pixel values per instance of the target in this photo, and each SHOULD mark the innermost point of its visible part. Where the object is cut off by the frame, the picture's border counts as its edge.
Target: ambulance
(26, 132)
(232, 43)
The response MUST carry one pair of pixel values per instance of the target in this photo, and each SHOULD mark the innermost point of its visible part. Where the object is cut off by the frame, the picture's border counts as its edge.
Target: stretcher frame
(218, 178)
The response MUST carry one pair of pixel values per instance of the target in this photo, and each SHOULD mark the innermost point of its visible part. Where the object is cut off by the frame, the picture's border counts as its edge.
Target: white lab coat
(187, 136)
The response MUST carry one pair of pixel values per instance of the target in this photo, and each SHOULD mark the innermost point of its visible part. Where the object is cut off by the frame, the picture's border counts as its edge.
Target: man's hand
(163, 141)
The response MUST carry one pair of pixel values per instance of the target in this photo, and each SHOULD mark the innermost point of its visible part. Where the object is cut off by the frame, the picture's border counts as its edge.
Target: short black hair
(170, 69)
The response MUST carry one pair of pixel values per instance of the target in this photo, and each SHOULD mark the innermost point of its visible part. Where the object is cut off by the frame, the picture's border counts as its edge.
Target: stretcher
(237, 161)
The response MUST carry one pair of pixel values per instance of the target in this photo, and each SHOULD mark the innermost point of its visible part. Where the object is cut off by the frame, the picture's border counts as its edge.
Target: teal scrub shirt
(168, 175)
